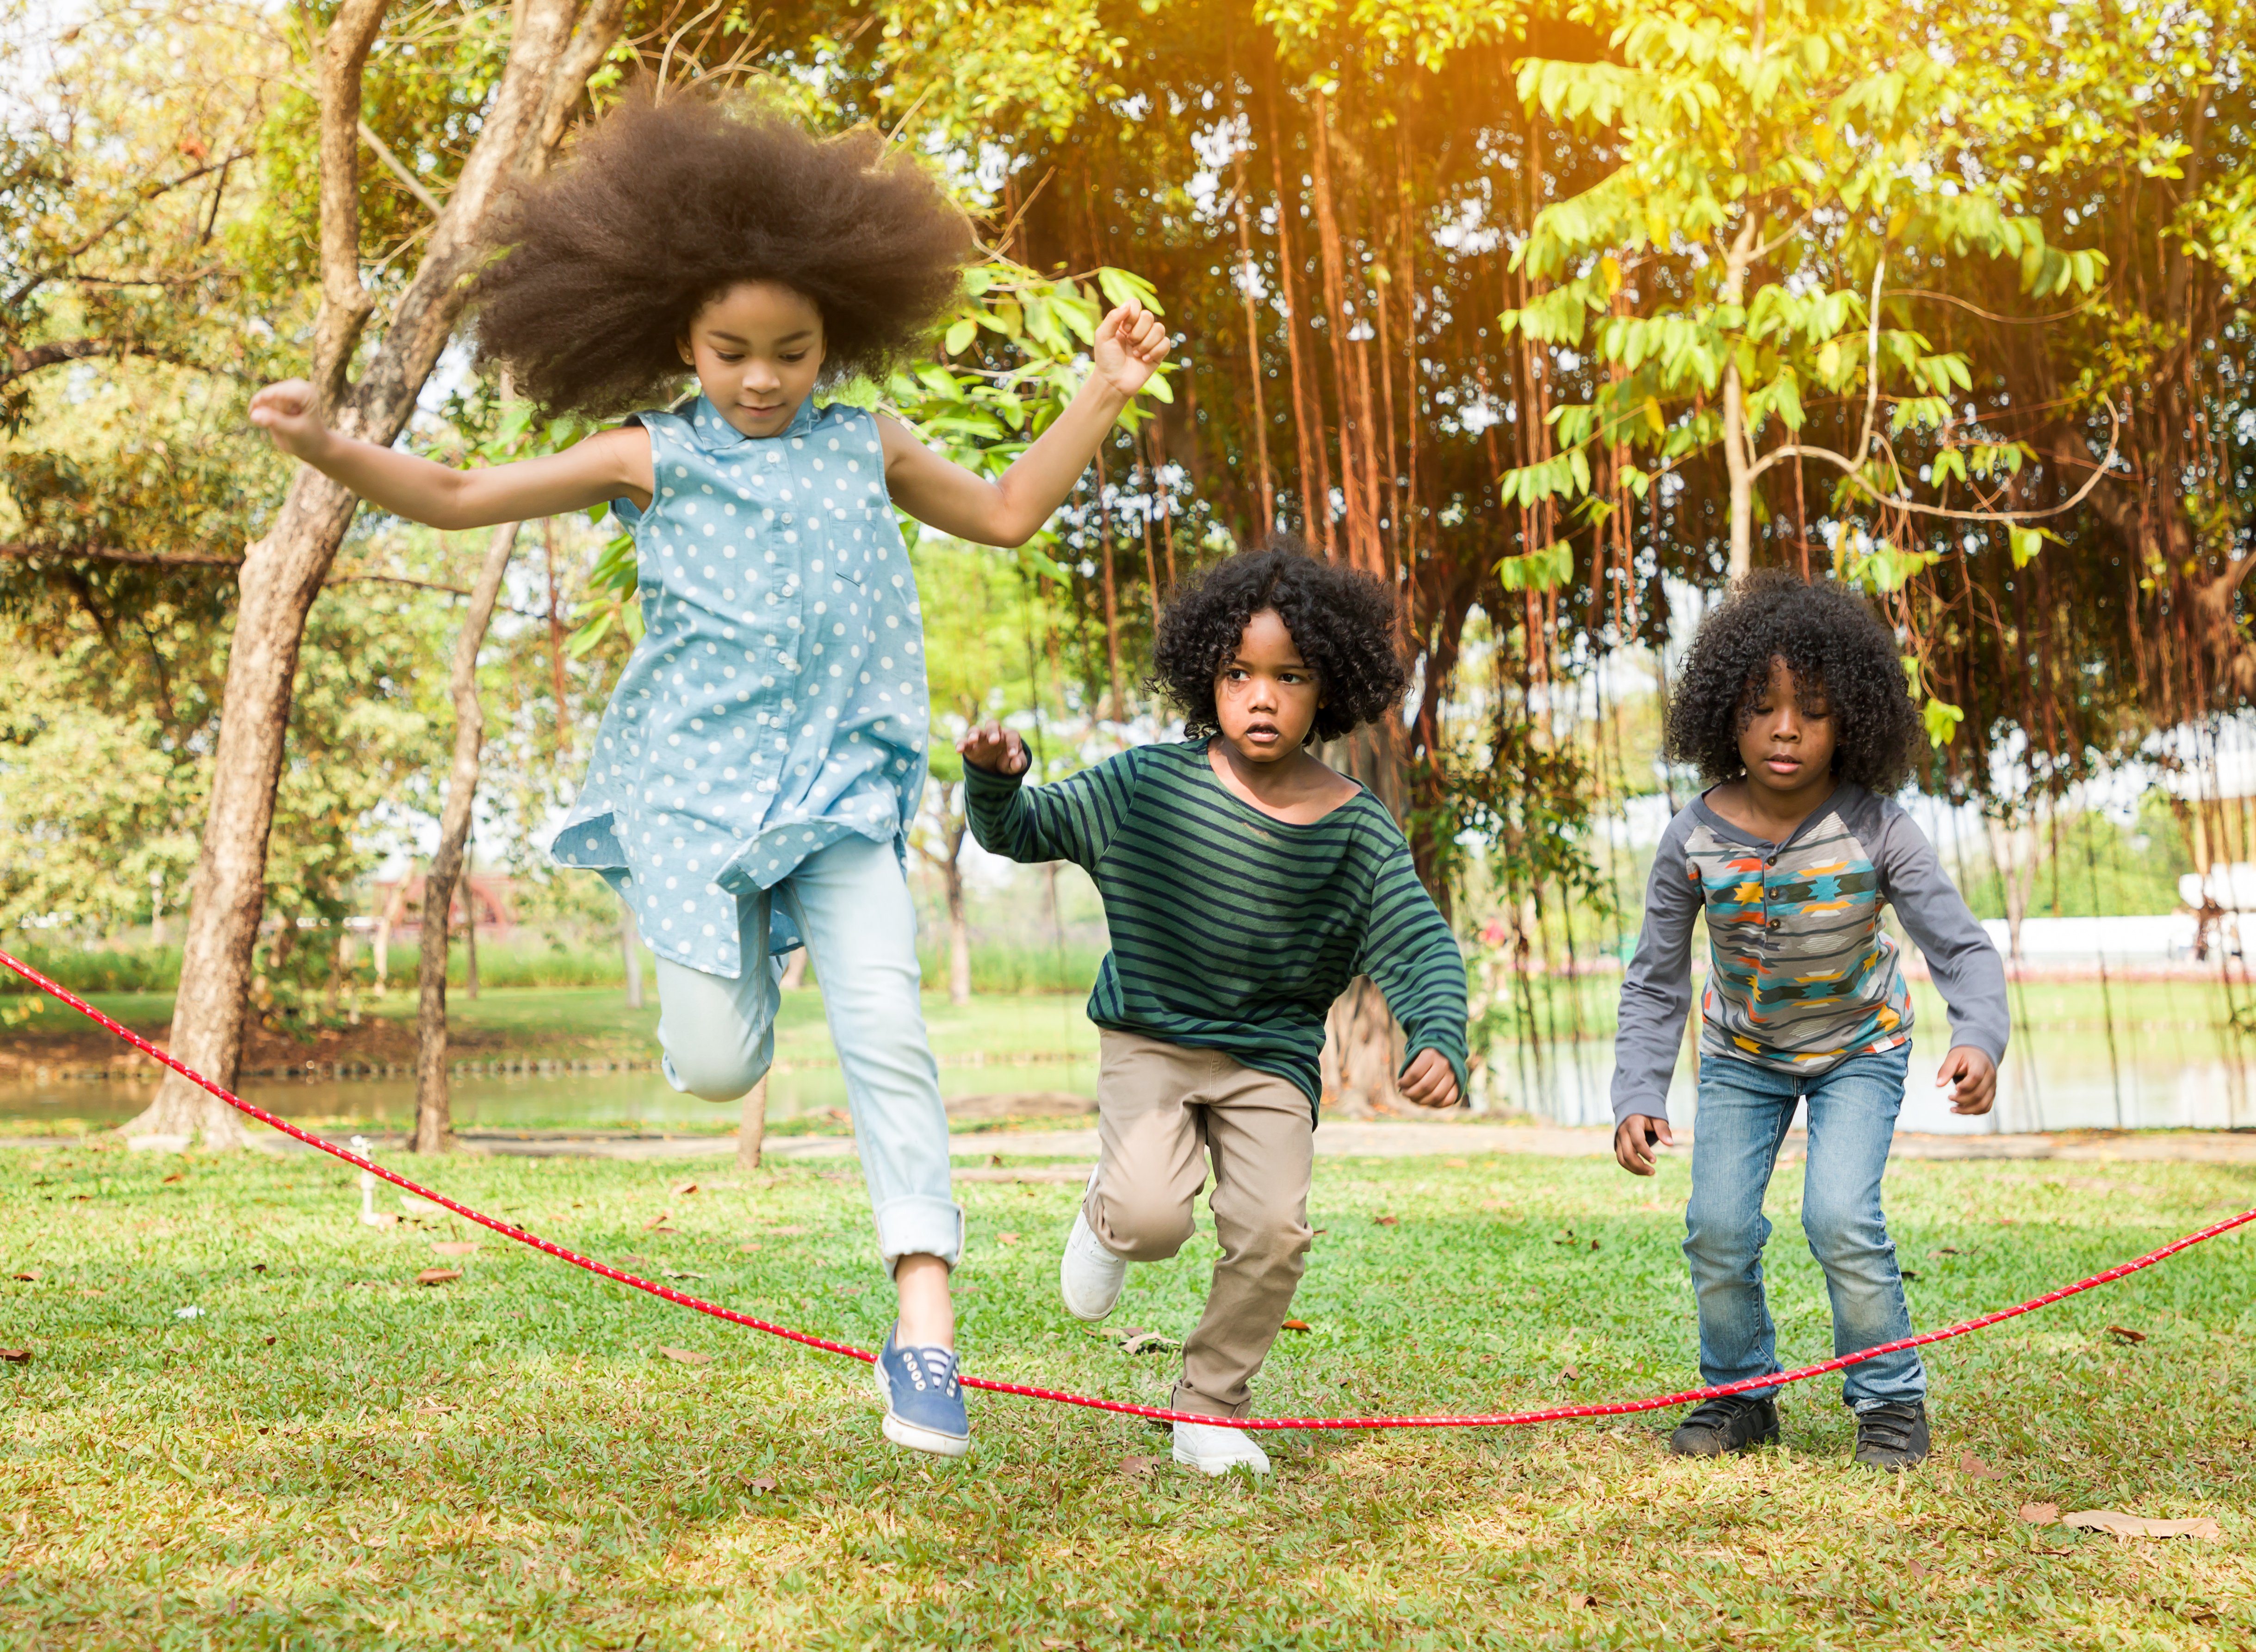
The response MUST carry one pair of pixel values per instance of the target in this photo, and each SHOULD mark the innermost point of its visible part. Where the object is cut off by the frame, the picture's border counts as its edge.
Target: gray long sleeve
(1656, 991)
(1960, 956)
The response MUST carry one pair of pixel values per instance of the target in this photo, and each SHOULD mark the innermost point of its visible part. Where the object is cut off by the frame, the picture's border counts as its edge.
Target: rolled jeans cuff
(918, 1225)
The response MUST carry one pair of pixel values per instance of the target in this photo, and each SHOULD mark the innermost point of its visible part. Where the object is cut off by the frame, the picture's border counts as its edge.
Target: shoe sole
(903, 1433)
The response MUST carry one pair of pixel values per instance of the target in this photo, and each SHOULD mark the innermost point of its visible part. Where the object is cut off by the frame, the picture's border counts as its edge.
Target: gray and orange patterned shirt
(1800, 974)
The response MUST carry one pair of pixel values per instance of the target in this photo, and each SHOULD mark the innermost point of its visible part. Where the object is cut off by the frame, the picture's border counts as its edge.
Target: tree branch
(1854, 470)
(22, 363)
(345, 301)
(147, 193)
(20, 550)
(415, 186)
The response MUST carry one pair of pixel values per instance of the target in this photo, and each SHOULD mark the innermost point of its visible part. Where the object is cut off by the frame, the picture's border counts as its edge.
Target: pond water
(638, 1101)
(2059, 1081)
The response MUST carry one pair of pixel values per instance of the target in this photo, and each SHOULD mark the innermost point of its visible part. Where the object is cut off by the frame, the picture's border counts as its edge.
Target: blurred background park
(1558, 317)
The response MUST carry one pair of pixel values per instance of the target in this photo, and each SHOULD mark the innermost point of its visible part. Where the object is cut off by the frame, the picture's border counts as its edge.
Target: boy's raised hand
(1129, 345)
(1972, 1077)
(1430, 1081)
(1634, 1142)
(995, 748)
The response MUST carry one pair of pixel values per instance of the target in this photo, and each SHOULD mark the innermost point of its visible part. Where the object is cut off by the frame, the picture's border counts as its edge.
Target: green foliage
(1768, 173)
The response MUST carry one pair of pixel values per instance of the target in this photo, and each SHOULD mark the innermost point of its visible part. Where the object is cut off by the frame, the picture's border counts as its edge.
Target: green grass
(276, 1471)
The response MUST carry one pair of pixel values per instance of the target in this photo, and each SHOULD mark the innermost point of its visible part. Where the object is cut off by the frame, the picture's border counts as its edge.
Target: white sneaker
(1090, 1276)
(1213, 1449)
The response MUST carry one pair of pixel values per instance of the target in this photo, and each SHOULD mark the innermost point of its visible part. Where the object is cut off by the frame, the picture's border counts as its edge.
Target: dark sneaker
(1733, 1423)
(924, 1402)
(1893, 1437)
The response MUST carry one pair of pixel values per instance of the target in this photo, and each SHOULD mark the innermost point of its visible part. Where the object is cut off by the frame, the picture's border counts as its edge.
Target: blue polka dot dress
(776, 703)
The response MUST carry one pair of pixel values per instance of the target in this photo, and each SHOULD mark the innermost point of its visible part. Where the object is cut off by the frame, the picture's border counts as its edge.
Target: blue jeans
(1745, 1110)
(851, 903)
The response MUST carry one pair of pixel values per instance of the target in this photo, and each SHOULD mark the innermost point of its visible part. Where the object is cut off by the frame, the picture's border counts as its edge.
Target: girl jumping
(1792, 702)
(761, 758)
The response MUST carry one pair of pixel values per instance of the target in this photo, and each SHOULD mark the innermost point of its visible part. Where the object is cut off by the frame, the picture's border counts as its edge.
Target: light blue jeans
(851, 903)
(1745, 1110)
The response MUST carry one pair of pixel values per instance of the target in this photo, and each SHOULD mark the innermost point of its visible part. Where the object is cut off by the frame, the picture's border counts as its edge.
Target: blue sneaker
(924, 1402)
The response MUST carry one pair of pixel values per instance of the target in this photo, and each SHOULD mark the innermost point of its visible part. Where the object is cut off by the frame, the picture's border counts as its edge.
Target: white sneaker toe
(1090, 1276)
(1212, 1448)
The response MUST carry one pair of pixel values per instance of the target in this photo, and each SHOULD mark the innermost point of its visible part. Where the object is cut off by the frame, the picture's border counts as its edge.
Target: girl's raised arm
(612, 464)
(942, 494)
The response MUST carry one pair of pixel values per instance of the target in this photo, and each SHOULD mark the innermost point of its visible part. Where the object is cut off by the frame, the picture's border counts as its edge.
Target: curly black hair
(1839, 652)
(1343, 622)
(663, 206)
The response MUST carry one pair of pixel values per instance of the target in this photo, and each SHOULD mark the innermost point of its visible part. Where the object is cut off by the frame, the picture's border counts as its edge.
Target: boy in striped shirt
(1246, 885)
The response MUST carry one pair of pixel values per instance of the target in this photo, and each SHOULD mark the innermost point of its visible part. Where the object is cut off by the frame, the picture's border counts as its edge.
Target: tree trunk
(754, 1128)
(630, 954)
(554, 46)
(959, 937)
(1363, 1051)
(469, 927)
(2014, 849)
(434, 1124)
(1738, 457)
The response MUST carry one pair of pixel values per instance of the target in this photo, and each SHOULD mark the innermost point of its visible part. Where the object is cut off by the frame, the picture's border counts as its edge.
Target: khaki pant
(1163, 1108)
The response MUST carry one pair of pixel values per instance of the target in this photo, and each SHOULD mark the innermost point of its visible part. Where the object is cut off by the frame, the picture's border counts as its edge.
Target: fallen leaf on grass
(16, 1356)
(1006, 1239)
(456, 1247)
(1970, 1463)
(1916, 1568)
(685, 1190)
(1457, 1164)
(1134, 1465)
(1908, 1273)
(755, 1245)
(177, 1176)
(1296, 1324)
(658, 1223)
(1948, 1250)
(2126, 1334)
(2040, 1513)
(1577, 1601)
(787, 1228)
(438, 1275)
(2122, 1525)
(684, 1356)
(630, 1260)
(764, 1483)
(673, 1274)
(28, 1274)
(1386, 1222)
(432, 1408)
(1567, 1374)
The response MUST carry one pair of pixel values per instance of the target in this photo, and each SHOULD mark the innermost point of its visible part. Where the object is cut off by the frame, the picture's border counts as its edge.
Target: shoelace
(939, 1362)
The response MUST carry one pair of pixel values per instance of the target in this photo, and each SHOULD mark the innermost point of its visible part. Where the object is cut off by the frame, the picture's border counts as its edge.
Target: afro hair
(663, 206)
(1838, 651)
(1343, 622)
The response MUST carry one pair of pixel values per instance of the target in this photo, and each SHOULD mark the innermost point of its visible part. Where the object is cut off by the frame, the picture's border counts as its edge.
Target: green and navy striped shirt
(1232, 930)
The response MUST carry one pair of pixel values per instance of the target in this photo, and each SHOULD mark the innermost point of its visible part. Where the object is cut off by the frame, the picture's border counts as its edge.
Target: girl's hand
(1634, 1142)
(994, 748)
(289, 412)
(1973, 1080)
(1129, 345)
(1430, 1082)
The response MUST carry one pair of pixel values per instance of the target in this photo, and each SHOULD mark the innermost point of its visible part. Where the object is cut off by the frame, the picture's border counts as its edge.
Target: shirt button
(1777, 923)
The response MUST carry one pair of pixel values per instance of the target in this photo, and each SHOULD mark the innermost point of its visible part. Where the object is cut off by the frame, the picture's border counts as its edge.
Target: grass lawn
(328, 1456)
